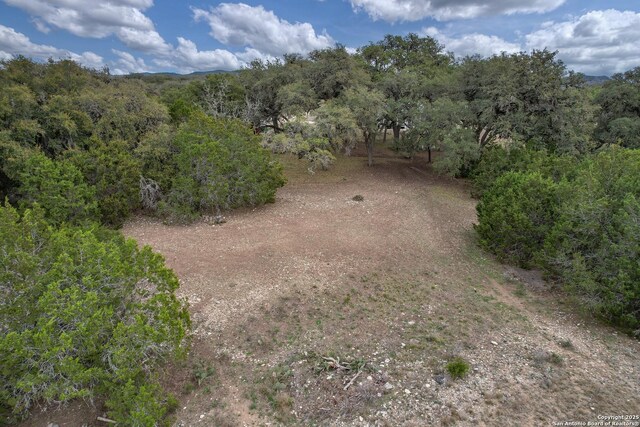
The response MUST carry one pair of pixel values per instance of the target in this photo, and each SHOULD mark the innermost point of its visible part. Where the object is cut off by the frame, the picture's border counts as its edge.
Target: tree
(157, 155)
(395, 53)
(263, 82)
(441, 125)
(297, 98)
(337, 124)
(401, 92)
(220, 95)
(527, 98)
(367, 107)
(332, 71)
(405, 69)
(127, 112)
(619, 118)
(496, 161)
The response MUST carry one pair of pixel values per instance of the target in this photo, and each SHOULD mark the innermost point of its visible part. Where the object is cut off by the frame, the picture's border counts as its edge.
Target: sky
(595, 37)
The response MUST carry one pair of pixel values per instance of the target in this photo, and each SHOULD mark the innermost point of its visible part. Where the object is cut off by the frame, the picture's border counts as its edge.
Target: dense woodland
(84, 313)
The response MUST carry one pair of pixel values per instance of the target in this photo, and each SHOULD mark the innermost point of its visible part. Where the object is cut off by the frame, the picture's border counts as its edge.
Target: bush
(156, 154)
(458, 368)
(595, 246)
(140, 405)
(115, 173)
(58, 187)
(497, 161)
(516, 214)
(84, 313)
(220, 165)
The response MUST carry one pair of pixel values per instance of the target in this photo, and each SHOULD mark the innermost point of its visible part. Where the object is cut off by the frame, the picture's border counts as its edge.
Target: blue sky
(591, 36)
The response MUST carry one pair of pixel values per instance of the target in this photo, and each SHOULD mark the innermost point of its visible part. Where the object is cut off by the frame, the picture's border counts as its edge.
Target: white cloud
(471, 44)
(41, 26)
(88, 59)
(123, 18)
(598, 42)
(443, 10)
(14, 43)
(127, 63)
(144, 41)
(187, 58)
(251, 54)
(260, 33)
(241, 25)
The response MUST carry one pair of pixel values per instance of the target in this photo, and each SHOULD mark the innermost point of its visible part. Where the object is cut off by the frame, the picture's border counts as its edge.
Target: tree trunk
(396, 133)
(429, 151)
(369, 143)
(275, 123)
(384, 135)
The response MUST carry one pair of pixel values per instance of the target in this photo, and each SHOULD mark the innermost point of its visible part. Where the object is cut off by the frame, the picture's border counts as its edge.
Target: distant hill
(596, 80)
(178, 75)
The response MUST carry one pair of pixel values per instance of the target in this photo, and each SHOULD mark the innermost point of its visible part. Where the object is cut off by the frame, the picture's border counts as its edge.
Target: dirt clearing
(395, 282)
(325, 310)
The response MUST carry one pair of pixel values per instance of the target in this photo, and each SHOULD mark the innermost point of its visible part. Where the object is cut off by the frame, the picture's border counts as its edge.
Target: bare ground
(396, 282)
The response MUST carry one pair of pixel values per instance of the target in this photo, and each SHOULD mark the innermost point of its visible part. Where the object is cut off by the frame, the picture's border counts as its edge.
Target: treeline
(412, 90)
(86, 146)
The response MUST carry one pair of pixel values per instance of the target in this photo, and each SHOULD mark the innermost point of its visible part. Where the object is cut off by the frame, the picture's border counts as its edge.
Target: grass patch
(458, 368)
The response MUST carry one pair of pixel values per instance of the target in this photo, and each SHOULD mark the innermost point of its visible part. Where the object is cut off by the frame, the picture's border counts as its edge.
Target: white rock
(388, 386)
(494, 343)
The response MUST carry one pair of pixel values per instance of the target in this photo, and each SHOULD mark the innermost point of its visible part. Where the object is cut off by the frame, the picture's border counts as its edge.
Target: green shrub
(156, 154)
(220, 165)
(458, 368)
(83, 313)
(140, 405)
(115, 173)
(58, 187)
(497, 161)
(516, 214)
(594, 247)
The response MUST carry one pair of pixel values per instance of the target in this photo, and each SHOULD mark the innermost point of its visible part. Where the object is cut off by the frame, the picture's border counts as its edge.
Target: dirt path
(396, 281)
